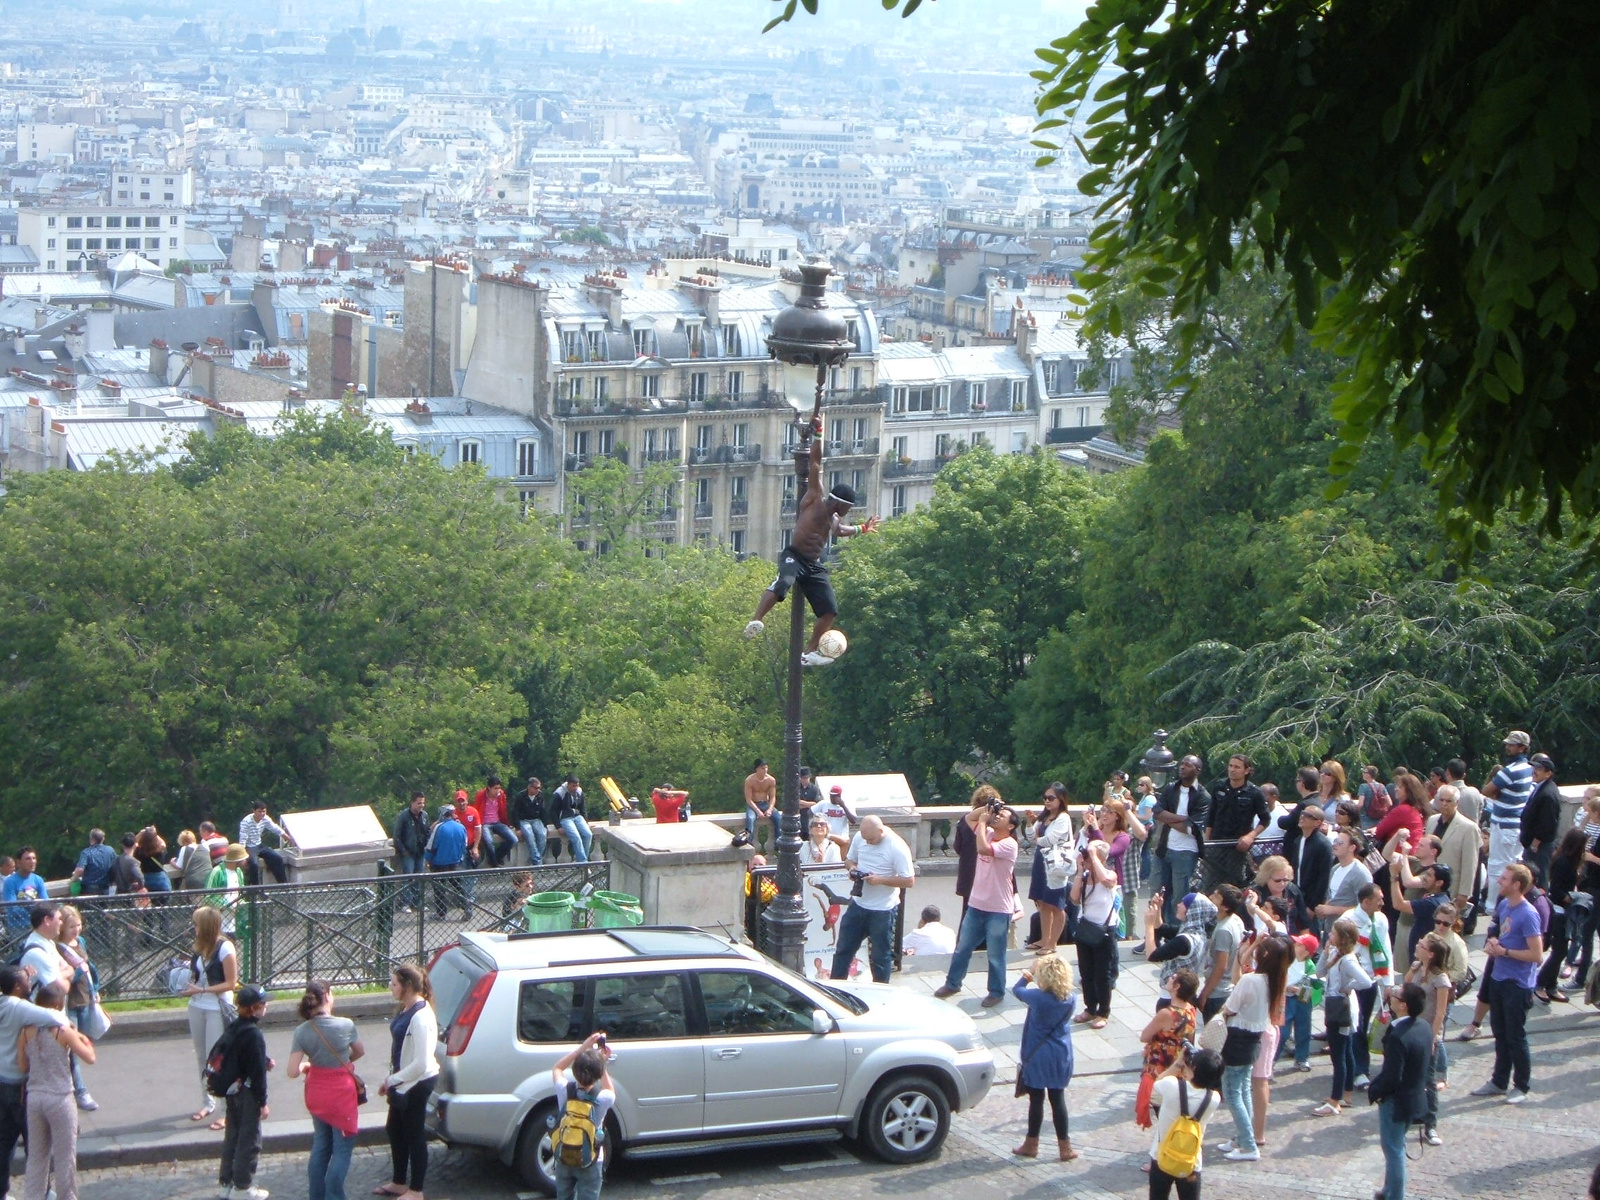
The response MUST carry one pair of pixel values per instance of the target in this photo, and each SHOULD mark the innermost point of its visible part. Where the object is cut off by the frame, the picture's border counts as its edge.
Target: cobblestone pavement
(1545, 1148)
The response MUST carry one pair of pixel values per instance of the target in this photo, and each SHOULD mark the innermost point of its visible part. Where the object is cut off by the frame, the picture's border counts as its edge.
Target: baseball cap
(447, 810)
(1307, 941)
(836, 790)
(461, 793)
(249, 996)
(1519, 738)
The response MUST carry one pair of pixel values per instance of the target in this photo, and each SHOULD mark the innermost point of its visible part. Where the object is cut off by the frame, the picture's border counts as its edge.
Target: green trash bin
(614, 910)
(547, 911)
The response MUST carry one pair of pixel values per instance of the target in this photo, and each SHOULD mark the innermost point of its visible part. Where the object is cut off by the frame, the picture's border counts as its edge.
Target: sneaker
(1139, 949)
(1302, 1068)
(1487, 1089)
(944, 992)
(1243, 1156)
(755, 629)
(255, 1193)
(1470, 1033)
(226, 1193)
(87, 1103)
(1225, 1148)
(1516, 1096)
(991, 1000)
(1431, 1136)
(1361, 1081)
(812, 658)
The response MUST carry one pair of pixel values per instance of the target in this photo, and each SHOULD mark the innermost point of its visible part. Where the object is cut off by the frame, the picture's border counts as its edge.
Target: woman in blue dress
(1046, 1052)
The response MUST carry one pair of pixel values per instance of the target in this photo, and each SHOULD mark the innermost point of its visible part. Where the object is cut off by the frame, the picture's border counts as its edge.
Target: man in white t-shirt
(839, 816)
(880, 865)
(1348, 877)
(930, 936)
(40, 956)
(1181, 813)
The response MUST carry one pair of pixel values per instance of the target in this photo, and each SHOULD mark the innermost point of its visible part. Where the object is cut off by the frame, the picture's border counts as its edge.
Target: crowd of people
(1260, 913)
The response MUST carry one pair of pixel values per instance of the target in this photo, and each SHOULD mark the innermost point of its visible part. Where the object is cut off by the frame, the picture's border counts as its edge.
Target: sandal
(1082, 1017)
(1330, 1109)
(217, 1126)
(202, 1114)
(1098, 1023)
(389, 1189)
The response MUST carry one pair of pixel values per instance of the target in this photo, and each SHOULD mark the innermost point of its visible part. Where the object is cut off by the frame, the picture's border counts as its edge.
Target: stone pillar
(688, 873)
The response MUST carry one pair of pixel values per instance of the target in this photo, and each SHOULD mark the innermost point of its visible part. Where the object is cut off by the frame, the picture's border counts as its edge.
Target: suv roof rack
(648, 941)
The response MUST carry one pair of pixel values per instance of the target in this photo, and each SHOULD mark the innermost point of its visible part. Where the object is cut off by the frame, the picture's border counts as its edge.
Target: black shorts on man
(812, 577)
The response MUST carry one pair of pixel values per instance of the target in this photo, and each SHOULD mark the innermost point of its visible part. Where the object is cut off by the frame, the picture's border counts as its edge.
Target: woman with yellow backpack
(1184, 1099)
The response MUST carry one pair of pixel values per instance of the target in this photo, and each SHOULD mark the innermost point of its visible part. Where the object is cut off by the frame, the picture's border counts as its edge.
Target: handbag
(1239, 1047)
(1094, 934)
(1336, 1010)
(96, 1022)
(1214, 1034)
(361, 1084)
(1057, 865)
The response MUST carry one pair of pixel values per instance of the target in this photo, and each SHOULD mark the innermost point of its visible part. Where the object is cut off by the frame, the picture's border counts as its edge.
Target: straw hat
(236, 854)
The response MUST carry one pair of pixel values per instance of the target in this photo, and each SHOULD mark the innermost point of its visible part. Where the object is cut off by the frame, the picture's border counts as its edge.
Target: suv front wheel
(906, 1119)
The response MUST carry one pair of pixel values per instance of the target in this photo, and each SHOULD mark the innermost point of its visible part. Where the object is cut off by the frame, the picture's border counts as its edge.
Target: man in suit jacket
(1400, 1090)
(1458, 842)
(1310, 853)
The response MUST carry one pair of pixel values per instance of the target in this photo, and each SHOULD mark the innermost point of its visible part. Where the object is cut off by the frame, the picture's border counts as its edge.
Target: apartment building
(145, 212)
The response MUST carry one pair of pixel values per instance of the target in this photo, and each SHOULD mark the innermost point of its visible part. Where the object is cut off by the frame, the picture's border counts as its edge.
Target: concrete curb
(281, 1014)
(143, 1150)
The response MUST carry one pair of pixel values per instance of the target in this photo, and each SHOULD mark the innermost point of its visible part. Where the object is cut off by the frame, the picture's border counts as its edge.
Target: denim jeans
(979, 928)
(410, 893)
(579, 838)
(1344, 1064)
(534, 834)
(857, 925)
(1297, 1021)
(579, 1183)
(1438, 1065)
(1508, 1019)
(330, 1161)
(1366, 998)
(751, 821)
(498, 843)
(1392, 1136)
(1236, 1092)
(1173, 872)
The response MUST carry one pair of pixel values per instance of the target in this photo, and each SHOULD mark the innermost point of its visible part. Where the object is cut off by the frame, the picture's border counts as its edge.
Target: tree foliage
(946, 608)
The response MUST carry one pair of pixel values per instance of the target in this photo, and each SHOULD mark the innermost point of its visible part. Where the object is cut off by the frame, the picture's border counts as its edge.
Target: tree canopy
(1428, 177)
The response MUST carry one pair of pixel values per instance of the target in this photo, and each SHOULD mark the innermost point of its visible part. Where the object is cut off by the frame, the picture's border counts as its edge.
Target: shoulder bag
(361, 1085)
(1093, 934)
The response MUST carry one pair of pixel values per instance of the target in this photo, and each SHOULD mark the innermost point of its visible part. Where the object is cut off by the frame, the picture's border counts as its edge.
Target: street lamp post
(806, 334)
(1158, 762)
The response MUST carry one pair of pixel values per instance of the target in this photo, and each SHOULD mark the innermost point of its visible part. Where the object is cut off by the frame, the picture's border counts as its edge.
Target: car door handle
(728, 1052)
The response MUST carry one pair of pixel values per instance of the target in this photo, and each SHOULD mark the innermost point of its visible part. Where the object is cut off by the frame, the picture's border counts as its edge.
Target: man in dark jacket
(1399, 1091)
(567, 810)
(1181, 813)
(1239, 814)
(411, 829)
(527, 811)
(1541, 819)
(1310, 853)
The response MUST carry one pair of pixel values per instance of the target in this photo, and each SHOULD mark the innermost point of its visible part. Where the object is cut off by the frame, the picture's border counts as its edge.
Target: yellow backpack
(1179, 1152)
(576, 1138)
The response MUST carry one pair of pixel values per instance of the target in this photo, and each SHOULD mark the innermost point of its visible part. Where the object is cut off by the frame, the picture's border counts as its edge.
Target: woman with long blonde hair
(1045, 1055)
(213, 976)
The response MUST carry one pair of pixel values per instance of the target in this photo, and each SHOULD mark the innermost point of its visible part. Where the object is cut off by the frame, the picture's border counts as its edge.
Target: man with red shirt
(473, 820)
(494, 812)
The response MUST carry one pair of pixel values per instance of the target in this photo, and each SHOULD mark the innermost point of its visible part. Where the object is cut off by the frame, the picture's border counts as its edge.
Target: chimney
(41, 317)
(1027, 333)
(76, 342)
(158, 359)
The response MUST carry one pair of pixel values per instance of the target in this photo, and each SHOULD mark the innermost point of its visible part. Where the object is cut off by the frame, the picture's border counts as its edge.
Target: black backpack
(222, 1074)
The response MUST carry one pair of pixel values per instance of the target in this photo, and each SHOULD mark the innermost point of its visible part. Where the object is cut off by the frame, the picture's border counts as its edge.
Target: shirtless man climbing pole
(820, 517)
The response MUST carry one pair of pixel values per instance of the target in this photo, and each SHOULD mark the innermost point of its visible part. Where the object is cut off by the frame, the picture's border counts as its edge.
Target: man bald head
(872, 830)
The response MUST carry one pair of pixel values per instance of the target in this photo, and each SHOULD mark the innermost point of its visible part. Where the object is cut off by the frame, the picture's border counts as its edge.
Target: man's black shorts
(812, 576)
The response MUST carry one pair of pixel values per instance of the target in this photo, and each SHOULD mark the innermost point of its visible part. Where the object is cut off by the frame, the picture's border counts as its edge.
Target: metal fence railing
(350, 933)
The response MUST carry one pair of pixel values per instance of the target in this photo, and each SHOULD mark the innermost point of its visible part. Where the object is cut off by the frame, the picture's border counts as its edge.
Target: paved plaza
(1545, 1148)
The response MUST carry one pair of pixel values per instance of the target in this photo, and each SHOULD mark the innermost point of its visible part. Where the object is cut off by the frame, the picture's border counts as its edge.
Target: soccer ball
(832, 644)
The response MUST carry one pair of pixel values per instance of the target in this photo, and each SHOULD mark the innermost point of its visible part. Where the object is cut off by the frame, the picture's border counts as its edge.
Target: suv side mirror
(821, 1022)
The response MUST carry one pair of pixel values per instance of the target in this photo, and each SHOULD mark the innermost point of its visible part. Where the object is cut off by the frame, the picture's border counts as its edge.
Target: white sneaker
(226, 1193)
(1225, 1148)
(755, 629)
(1487, 1089)
(1243, 1156)
(1361, 1081)
(255, 1193)
(813, 659)
(87, 1103)
(1516, 1096)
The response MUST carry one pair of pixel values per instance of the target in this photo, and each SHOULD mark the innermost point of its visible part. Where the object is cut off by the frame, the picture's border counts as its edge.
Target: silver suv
(716, 1046)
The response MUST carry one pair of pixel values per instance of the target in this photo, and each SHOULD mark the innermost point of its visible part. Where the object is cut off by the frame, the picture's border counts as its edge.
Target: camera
(858, 881)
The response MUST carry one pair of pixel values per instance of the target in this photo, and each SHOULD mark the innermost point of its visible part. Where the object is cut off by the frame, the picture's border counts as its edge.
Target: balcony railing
(790, 505)
(754, 398)
(670, 455)
(739, 506)
(702, 510)
(665, 516)
(839, 397)
(851, 448)
(582, 462)
(700, 456)
(1072, 433)
(912, 466)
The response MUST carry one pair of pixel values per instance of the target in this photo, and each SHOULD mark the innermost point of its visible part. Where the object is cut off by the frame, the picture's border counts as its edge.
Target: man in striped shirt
(1506, 794)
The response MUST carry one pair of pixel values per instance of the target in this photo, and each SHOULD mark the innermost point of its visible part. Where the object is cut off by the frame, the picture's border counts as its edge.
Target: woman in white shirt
(213, 975)
(1052, 835)
(414, 1038)
(1249, 1010)
(819, 848)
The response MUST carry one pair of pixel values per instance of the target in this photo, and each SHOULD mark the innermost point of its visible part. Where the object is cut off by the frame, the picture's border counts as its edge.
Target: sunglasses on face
(1443, 923)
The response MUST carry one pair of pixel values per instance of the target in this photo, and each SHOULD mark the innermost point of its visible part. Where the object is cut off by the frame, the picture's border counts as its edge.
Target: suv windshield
(854, 1003)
